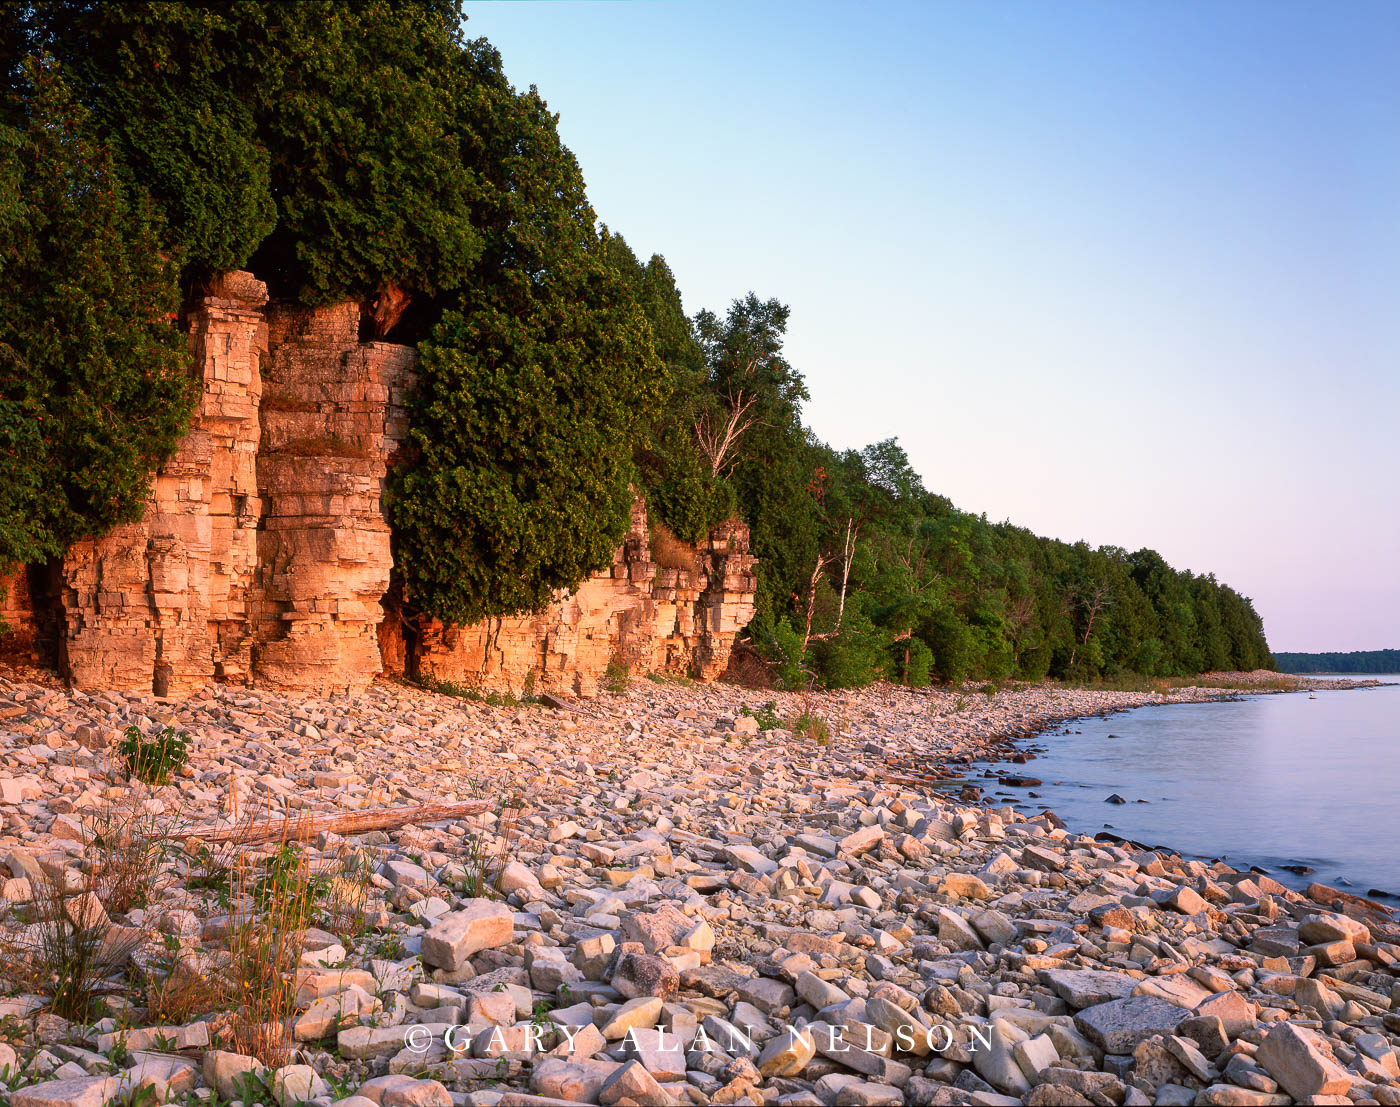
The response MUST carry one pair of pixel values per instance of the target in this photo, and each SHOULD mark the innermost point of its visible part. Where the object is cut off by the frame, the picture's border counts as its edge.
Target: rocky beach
(659, 896)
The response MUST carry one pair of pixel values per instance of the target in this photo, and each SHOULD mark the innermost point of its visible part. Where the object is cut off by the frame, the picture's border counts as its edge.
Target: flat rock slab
(1082, 988)
(1118, 1026)
(84, 1091)
(1176, 988)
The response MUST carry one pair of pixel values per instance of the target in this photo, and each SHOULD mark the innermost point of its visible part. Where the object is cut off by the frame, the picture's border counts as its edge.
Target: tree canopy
(370, 151)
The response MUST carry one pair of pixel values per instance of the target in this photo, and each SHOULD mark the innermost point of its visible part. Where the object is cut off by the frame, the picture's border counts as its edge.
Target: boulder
(484, 924)
(1302, 1062)
(1118, 1026)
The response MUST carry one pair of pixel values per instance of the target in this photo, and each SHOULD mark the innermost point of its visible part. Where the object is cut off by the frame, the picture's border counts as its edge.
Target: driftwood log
(302, 828)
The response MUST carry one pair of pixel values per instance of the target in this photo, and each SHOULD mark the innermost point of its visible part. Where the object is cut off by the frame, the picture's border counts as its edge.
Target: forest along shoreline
(595, 882)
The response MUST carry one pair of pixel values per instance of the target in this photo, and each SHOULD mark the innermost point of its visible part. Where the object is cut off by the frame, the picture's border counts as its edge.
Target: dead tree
(718, 434)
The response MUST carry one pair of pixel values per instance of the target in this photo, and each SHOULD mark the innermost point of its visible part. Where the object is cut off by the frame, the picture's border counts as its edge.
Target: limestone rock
(1118, 1026)
(1301, 1062)
(485, 924)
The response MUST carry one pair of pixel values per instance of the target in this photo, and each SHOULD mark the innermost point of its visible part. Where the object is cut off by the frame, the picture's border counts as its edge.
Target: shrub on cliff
(529, 386)
(682, 491)
(93, 386)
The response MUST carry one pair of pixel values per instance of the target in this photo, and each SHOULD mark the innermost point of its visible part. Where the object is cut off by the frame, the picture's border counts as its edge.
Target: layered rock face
(264, 554)
(635, 617)
(162, 604)
(332, 413)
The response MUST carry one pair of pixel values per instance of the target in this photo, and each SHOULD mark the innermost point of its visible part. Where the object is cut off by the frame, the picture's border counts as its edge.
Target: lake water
(1267, 780)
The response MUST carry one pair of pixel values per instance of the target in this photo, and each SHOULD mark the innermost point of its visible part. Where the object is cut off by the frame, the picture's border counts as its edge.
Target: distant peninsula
(1357, 661)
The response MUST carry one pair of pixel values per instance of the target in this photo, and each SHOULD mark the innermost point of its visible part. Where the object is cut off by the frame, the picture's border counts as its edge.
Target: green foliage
(859, 653)
(152, 760)
(810, 726)
(782, 648)
(767, 715)
(682, 489)
(167, 82)
(359, 105)
(284, 879)
(866, 575)
(471, 692)
(94, 391)
(315, 138)
(615, 677)
(528, 389)
(916, 665)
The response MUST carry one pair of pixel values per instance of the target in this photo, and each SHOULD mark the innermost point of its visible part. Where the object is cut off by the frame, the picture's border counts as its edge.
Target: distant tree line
(370, 151)
(1358, 661)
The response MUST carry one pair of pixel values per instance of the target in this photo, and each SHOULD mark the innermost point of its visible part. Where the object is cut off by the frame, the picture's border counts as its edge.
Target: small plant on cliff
(615, 677)
(152, 760)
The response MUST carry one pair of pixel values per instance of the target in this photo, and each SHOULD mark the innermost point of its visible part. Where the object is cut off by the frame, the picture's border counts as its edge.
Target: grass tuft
(460, 691)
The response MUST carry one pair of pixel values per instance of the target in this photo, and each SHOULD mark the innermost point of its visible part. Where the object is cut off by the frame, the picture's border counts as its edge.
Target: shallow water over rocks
(1268, 780)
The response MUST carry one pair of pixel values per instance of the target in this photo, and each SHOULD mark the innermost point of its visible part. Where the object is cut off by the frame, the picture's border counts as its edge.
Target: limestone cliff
(264, 555)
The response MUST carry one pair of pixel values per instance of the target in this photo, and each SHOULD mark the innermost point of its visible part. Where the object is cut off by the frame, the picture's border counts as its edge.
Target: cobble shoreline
(660, 871)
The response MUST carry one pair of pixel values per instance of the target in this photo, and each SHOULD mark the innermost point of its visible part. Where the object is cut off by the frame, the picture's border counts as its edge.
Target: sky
(1120, 271)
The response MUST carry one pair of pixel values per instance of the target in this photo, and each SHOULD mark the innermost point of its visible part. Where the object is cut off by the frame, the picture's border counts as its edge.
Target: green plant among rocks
(460, 691)
(274, 901)
(766, 716)
(283, 877)
(811, 726)
(615, 677)
(153, 760)
(129, 846)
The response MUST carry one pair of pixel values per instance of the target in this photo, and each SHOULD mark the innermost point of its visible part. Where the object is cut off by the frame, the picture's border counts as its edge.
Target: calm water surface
(1266, 780)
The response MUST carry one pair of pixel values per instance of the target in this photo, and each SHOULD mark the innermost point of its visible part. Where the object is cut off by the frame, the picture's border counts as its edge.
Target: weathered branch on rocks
(293, 828)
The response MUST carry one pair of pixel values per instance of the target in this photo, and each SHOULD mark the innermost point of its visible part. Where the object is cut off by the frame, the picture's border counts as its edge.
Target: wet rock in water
(1021, 781)
(1115, 798)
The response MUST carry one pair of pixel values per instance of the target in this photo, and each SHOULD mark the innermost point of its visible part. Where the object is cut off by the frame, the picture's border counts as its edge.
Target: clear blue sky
(1121, 271)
